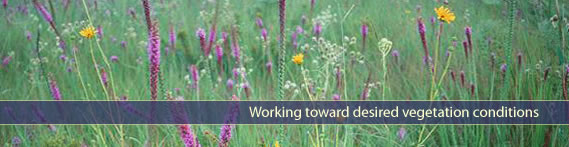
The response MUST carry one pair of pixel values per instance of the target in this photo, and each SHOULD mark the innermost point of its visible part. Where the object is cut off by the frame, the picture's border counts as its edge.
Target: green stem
(434, 74)
(102, 54)
(97, 69)
(79, 73)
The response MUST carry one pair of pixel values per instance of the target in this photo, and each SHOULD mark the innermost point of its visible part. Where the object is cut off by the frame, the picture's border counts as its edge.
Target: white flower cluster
(326, 17)
(291, 86)
(72, 28)
(329, 52)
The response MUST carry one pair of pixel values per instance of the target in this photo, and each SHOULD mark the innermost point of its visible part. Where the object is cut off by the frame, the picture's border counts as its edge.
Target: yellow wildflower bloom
(444, 14)
(277, 144)
(88, 32)
(298, 58)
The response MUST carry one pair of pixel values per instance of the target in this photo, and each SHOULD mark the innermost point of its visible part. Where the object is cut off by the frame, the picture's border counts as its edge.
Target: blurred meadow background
(276, 50)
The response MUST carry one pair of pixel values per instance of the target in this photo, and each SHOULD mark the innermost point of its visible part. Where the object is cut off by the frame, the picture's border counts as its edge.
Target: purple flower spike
(465, 45)
(55, 93)
(218, 53)
(462, 78)
(46, 15)
(99, 31)
(269, 66)
(200, 33)
(364, 31)
(212, 37)
(154, 58)
(395, 54)
(224, 36)
(114, 58)
(336, 97)
(264, 34)
(401, 133)
(317, 29)
(259, 22)
(293, 37)
(29, 35)
(123, 44)
(422, 31)
(104, 77)
(6, 61)
(468, 33)
(187, 135)
(195, 75)
(63, 58)
(172, 35)
(16, 141)
(299, 30)
(235, 73)
(229, 85)
(504, 67)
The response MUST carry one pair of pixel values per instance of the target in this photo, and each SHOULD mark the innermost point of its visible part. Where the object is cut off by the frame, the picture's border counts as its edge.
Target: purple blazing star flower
(187, 135)
(212, 37)
(16, 141)
(55, 93)
(104, 78)
(63, 58)
(293, 37)
(123, 44)
(172, 35)
(395, 54)
(224, 36)
(468, 33)
(465, 45)
(264, 34)
(218, 53)
(229, 84)
(114, 58)
(317, 29)
(364, 31)
(235, 73)
(200, 33)
(259, 22)
(422, 31)
(336, 97)
(154, 58)
(100, 31)
(195, 75)
(269, 67)
(401, 133)
(6, 61)
(462, 78)
(299, 30)
(29, 35)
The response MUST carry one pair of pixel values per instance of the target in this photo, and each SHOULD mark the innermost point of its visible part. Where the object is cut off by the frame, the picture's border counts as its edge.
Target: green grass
(408, 78)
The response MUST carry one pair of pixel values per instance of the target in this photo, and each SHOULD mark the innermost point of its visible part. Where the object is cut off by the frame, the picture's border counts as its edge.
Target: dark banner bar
(284, 112)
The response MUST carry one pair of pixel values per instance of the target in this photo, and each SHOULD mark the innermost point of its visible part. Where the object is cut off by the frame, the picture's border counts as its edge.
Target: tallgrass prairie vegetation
(284, 50)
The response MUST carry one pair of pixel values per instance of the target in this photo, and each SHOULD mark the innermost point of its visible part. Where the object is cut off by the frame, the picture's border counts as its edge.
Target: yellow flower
(277, 144)
(88, 32)
(444, 14)
(298, 58)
